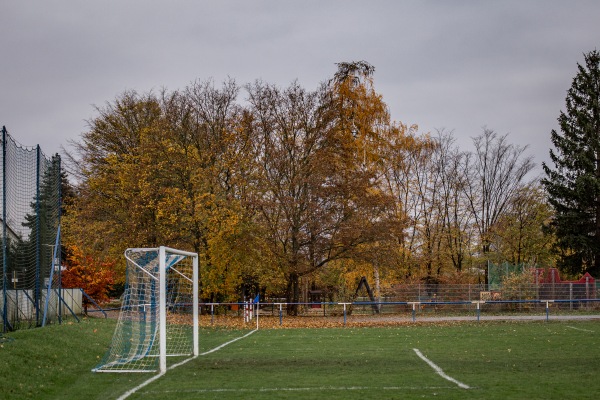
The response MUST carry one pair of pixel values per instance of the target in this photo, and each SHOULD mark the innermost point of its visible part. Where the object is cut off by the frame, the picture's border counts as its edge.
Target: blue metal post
(57, 249)
(50, 279)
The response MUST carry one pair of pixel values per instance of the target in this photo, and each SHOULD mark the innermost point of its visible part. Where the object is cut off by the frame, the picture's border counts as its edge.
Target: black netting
(30, 220)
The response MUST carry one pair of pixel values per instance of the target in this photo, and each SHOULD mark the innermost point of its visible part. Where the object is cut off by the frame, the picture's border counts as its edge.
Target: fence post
(280, 314)
(469, 292)
(587, 287)
(571, 296)
(478, 311)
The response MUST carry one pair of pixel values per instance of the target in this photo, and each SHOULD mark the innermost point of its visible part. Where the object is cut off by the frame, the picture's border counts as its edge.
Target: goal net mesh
(135, 344)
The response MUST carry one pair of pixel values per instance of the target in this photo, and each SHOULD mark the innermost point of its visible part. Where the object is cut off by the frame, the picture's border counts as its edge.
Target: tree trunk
(377, 286)
(292, 294)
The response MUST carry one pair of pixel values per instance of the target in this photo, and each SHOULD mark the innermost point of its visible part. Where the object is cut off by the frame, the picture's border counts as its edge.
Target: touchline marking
(580, 329)
(141, 385)
(439, 371)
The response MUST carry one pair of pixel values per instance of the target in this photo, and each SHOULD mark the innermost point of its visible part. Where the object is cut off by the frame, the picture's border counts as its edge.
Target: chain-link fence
(30, 211)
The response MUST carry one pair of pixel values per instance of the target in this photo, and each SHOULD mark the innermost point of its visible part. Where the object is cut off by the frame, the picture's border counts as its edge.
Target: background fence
(443, 302)
(30, 257)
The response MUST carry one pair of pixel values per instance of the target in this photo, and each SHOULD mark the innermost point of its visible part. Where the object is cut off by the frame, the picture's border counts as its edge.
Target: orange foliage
(94, 276)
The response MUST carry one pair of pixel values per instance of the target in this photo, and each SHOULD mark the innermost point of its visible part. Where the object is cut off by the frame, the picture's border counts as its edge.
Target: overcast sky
(458, 65)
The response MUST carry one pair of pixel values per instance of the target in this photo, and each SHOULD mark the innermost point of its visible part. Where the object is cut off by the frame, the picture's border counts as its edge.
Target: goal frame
(162, 311)
(165, 269)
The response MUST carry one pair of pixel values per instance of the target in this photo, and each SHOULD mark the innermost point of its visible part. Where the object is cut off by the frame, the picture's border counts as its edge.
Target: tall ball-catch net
(159, 314)
(30, 204)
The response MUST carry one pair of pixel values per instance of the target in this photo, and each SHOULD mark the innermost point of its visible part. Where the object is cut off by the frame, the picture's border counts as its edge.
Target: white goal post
(159, 311)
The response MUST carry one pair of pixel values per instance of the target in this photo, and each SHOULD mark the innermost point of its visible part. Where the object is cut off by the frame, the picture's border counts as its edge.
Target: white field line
(299, 389)
(225, 344)
(147, 382)
(439, 371)
(580, 329)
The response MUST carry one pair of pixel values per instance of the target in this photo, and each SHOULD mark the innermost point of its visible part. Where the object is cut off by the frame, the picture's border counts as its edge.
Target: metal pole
(6, 324)
(38, 293)
(195, 300)
(280, 314)
(57, 256)
(571, 296)
(162, 310)
(587, 291)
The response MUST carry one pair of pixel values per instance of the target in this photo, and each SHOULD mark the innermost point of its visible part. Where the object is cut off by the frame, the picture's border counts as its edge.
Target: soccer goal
(159, 312)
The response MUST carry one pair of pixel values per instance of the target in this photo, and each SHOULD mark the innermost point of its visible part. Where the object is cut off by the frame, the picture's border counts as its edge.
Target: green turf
(500, 360)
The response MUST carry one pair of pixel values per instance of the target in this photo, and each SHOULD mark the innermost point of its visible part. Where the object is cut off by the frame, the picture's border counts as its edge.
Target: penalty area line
(441, 372)
(149, 381)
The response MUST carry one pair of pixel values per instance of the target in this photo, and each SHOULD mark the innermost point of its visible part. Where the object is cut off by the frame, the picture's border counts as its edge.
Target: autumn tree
(426, 175)
(495, 172)
(95, 276)
(402, 157)
(573, 185)
(457, 227)
(316, 200)
(166, 170)
(206, 156)
(519, 236)
(116, 202)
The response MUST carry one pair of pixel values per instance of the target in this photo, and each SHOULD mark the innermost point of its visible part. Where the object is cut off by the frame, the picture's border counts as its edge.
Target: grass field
(491, 360)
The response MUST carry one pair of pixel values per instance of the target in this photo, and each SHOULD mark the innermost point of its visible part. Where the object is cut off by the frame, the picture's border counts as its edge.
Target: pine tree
(574, 185)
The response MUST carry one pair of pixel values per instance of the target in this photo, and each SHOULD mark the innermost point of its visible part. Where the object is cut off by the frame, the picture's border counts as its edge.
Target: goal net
(159, 312)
